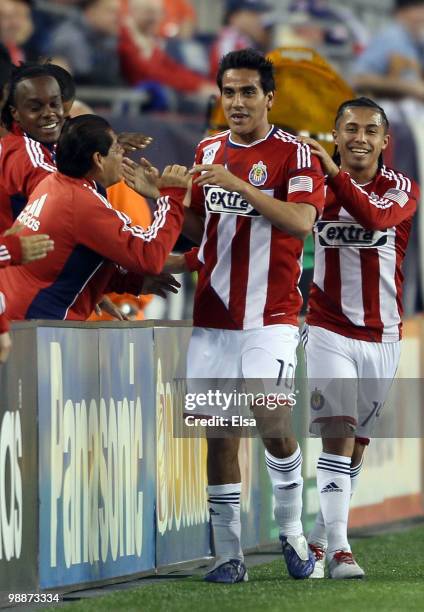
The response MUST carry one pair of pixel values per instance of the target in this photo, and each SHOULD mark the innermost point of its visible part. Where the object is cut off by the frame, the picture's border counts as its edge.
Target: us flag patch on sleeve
(397, 196)
(301, 183)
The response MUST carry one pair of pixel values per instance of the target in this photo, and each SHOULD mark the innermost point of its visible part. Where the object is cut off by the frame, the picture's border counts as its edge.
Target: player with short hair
(354, 326)
(256, 194)
(96, 248)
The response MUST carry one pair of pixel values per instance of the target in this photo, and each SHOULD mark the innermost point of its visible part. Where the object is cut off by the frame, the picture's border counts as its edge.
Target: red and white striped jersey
(360, 243)
(248, 269)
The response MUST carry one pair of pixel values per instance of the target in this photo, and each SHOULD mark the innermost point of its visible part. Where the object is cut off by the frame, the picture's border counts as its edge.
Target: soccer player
(15, 250)
(96, 248)
(354, 322)
(256, 195)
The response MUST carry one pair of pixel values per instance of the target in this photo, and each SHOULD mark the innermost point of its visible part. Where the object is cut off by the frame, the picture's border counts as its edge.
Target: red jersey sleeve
(395, 202)
(305, 178)
(4, 323)
(110, 233)
(10, 251)
(24, 166)
(192, 261)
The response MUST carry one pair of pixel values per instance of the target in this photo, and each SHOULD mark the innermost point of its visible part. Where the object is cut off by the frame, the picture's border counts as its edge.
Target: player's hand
(132, 141)
(142, 177)
(106, 305)
(160, 284)
(33, 247)
(175, 176)
(175, 264)
(5, 346)
(216, 174)
(328, 165)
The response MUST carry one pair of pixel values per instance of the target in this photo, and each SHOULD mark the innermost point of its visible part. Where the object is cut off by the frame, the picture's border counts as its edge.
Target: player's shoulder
(396, 179)
(209, 146)
(289, 146)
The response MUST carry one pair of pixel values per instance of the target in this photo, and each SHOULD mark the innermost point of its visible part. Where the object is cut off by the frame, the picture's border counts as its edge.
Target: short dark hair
(5, 68)
(29, 70)
(65, 80)
(252, 60)
(361, 102)
(80, 139)
(400, 5)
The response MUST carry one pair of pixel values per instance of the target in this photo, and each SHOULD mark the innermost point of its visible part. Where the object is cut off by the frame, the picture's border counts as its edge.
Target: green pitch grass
(394, 566)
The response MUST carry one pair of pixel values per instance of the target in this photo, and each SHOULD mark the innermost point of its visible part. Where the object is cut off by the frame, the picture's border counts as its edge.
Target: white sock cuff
(334, 463)
(284, 465)
(224, 489)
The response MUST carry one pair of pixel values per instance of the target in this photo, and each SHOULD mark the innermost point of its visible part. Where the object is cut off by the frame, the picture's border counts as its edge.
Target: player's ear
(386, 141)
(334, 133)
(270, 100)
(14, 112)
(97, 161)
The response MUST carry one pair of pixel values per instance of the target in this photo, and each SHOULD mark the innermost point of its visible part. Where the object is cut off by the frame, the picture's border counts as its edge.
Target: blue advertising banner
(95, 462)
(182, 518)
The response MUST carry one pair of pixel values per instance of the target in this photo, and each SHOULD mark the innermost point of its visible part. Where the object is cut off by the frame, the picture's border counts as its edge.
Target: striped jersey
(96, 250)
(24, 162)
(360, 243)
(10, 254)
(248, 269)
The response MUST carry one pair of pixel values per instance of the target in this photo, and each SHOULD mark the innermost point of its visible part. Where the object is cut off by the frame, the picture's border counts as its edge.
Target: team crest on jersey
(258, 174)
(337, 234)
(317, 400)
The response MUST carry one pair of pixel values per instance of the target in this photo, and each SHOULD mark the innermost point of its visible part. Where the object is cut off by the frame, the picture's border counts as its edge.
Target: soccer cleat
(319, 554)
(230, 572)
(299, 559)
(343, 565)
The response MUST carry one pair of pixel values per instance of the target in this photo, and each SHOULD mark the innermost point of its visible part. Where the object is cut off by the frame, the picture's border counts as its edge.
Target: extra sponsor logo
(258, 174)
(336, 234)
(10, 486)
(219, 200)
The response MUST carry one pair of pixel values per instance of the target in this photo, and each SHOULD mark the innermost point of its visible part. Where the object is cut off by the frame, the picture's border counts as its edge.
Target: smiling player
(355, 308)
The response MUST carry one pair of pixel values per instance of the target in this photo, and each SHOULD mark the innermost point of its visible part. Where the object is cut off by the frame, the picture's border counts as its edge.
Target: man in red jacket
(96, 248)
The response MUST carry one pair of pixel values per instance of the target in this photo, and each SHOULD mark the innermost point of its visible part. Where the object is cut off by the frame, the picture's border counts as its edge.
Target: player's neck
(257, 134)
(362, 176)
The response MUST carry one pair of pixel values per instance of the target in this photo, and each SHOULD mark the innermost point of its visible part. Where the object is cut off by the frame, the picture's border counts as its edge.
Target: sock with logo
(333, 482)
(224, 509)
(317, 534)
(287, 486)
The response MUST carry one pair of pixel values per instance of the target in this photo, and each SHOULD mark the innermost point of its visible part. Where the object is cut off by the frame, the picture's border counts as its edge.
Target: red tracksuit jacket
(97, 250)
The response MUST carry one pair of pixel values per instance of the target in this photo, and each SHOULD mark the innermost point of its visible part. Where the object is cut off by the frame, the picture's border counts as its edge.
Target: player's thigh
(378, 365)
(269, 354)
(332, 381)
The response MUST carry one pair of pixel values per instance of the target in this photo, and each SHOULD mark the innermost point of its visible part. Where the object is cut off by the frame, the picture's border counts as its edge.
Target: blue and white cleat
(230, 572)
(300, 560)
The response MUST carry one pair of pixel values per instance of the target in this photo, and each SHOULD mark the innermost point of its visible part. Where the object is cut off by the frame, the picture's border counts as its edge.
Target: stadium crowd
(57, 165)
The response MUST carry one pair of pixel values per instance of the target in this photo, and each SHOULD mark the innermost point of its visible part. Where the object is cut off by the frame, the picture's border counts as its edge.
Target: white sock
(317, 534)
(333, 482)
(287, 485)
(354, 476)
(224, 509)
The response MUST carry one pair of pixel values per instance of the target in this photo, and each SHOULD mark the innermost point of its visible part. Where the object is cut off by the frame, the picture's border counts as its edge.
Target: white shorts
(258, 361)
(348, 379)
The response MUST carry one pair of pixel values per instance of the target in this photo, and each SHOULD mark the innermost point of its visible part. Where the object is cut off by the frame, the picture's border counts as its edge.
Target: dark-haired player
(97, 249)
(256, 194)
(14, 249)
(354, 322)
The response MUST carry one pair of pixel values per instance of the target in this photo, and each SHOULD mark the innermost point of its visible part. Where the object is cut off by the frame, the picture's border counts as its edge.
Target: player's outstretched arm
(294, 218)
(24, 249)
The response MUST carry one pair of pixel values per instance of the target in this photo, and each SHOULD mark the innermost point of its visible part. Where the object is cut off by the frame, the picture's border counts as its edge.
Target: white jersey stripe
(319, 265)
(221, 274)
(351, 278)
(257, 282)
(201, 253)
(389, 313)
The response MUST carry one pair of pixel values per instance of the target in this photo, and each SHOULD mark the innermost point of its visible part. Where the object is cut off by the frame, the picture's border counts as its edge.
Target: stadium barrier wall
(95, 485)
